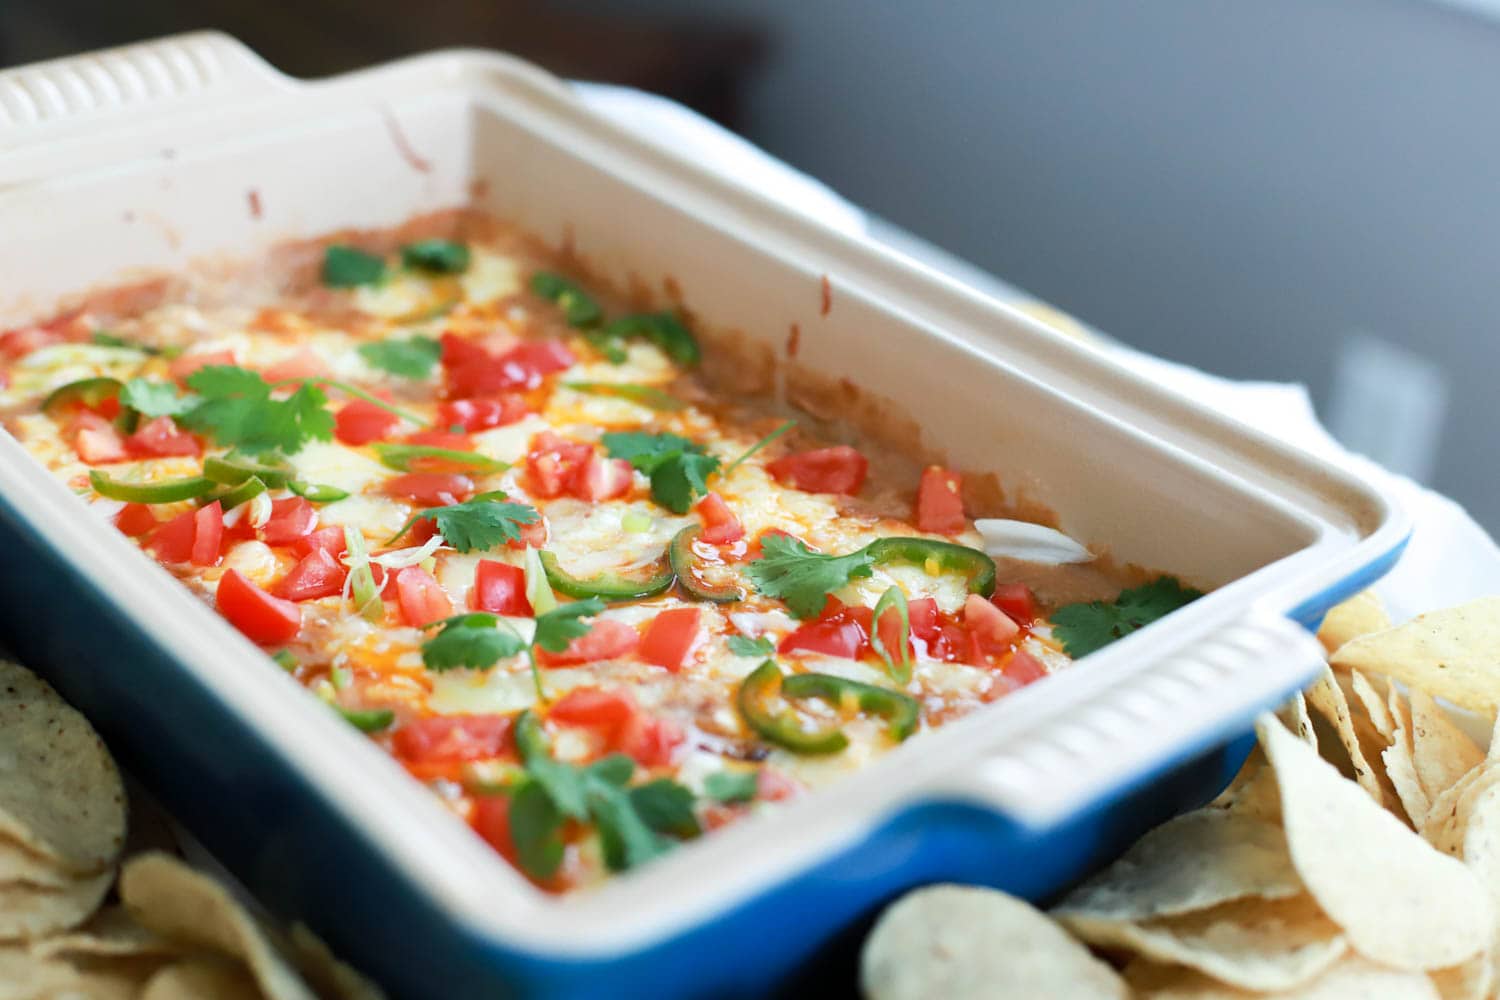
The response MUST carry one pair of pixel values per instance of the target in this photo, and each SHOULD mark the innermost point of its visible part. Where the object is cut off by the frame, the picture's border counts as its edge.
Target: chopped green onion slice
(757, 446)
(636, 522)
(436, 256)
(578, 306)
(166, 491)
(368, 721)
(231, 470)
(607, 344)
(401, 456)
(361, 578)
(893, 598)
(645, 395)
(662, 329)
(317, 492)
(285, 659)
(341, 677)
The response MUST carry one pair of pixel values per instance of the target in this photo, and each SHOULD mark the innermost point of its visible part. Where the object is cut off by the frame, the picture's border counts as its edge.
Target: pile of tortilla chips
(70, 928)
(1357, 854)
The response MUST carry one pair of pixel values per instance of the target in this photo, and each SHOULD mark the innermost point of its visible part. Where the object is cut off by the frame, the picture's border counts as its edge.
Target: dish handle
(1198, 696)
(130, 81)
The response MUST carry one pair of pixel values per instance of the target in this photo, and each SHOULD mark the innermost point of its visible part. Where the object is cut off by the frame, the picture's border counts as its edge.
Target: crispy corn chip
(1359, 615)
(1422, 911)
(201, 979)
(28, 912)
(1354, 978)
(1442, 752)
(1327, 699)
(1452, 654)
(942, 942)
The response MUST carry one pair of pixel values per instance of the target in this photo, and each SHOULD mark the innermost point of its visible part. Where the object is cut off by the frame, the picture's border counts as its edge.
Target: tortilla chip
(112, 932)
(1452, 654)
(1353, 978)
(1255, 944)
(28, 911)
(959, 942)
(201, 979)
(1327, 699)
(1375, 705)
(1359, 615)
(60, 793)
(1193, 862)
(1443, 753)
(1294, 716)
(1401, 766)
(1470, 981)
(17, 864)
(1399, 901)
(186, 906)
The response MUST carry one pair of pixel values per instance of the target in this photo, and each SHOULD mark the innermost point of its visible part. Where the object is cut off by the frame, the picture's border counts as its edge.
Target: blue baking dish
(164, 154)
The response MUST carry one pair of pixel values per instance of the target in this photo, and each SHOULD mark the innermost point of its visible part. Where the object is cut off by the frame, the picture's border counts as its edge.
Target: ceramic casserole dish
(162, 154)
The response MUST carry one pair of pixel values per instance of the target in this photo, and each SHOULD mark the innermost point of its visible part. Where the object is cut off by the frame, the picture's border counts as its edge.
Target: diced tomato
(481, 414)
(607, 640)
(329, 539)
(1017, 601)
(720, 526)
(449, 739)
(940, 503)
(619, 723)
(670, 637)
(774, 786)
(96, 440)
(319, 574)
(291, 519)
(160, 437)
(602, 478)
(471, 370)
(839, 469)
(1023, 668)
(651, 740)
(361, 421)
(991, 626)
(839, 633)
(172, 541)
(923, 613)
(442, 439)
(261, 617)
(186, 364)
(306, 363)
(553, 464)
(208, 535)
(423, 600)
(500, 588)
(533, 535)
(956, 644)
(491, 820)
(135, 519)
(431, 489)
(22, 341)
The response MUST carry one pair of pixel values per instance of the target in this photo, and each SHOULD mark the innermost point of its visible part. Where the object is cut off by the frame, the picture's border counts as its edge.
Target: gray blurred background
(1298, 190)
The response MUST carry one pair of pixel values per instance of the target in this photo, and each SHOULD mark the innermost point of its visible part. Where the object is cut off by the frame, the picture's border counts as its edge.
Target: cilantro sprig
(677, 467)
(635, 824)
(155, 399)
(794, 573)
(410, 358)
(478, 640)
(476, 525)
(235, 405)
(1084, 628)
(741, 645)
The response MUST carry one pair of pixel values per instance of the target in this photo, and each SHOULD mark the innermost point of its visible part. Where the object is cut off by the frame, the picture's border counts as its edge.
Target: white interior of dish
(989, 387)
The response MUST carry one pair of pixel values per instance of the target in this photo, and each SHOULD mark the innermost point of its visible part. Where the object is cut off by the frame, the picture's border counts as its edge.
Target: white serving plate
(145, 158)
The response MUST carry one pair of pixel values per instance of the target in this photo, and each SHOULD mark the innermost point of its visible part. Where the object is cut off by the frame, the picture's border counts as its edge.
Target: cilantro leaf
(346, 267)
(578, 306)
(666, 807)
(237, 409)
(412, 358)
(1084, 628)
(556, 628)
(678, 468)
(436, 256)
(155, 399)
(479, 524)
(802, 578)
(662, 329)
(741, 645)
(476, 641)
(536, 830)
(732, 786)
(625, 837)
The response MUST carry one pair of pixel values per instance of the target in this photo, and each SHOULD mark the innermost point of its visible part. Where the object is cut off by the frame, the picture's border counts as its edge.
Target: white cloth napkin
(1450, 559)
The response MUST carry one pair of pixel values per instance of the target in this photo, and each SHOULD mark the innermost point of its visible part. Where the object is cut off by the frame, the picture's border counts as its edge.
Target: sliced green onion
(645, 395)
(167, 491)
(436, 256)
(286, 660)
(370, 720)
(578, 306)
(317, 492)
(893, 598)
(341, 677)
(232, 470)
(233, 497)
(401, 456)
(636, 522)
(612, 347)
(367, 601)
(662, 329)
(538, 587)
(757, 446)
